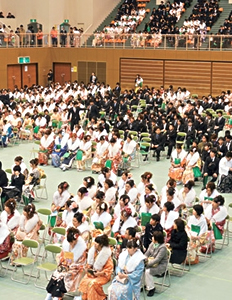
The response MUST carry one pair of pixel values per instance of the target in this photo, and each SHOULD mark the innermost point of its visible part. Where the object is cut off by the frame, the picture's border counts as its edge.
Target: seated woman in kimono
(208, 194)
(99, 270)
(60, 197)
(178, 160)
(123, 222)
(29, 225)
(60, 148)
(216, 213)
(101, 215)
(5, 242)
(197, 232)
(167, 218)
(156, 261)
(46, 146)
(67, 276)
(10, 216)
(126, 284)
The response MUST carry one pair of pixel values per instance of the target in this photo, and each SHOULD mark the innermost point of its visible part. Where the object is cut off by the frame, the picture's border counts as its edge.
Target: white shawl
(4, 232)
(167, 224)
(13, 222)
(78, 249)
(101, 258)
(73, 145)
(47, 142)
(219, 216)
(63, 141)
(133, 261)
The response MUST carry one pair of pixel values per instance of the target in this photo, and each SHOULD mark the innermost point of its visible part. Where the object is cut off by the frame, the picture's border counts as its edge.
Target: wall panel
(194, 76)
(150, 70)
(221, 76)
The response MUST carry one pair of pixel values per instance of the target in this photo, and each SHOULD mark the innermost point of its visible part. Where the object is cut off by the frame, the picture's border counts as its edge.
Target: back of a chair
(53, 248)
(59, 230)
(31, 244)
(44, 211)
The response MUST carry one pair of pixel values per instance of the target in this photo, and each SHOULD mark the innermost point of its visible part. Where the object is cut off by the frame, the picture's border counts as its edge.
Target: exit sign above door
(24, 59)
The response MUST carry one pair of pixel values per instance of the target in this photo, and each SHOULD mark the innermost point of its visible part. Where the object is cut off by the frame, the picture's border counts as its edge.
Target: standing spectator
(93, 78)
(53, 34)
(22, 35)
(50, 77)
(39, 36)
(63, 37)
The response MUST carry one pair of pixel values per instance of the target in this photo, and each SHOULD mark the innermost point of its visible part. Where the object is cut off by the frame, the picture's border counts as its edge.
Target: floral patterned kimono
(67, 277)
(133, 266)
(46, 147)
(179, 160)
(91, 286)
(28, 229)
(5, 244)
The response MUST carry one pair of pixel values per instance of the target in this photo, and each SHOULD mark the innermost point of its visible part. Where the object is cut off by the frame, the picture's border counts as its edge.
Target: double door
(21, 75)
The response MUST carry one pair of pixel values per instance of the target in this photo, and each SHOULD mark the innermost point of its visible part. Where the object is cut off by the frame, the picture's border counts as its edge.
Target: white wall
(81, 13)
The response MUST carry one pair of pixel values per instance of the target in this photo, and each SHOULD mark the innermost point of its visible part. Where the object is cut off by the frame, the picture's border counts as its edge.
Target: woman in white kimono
(163, 196)
(101, 215)
(178, 160)
(150, 206)
(89, 183)
(106, 173)
(187, 194)
(126, 176)
(216, 213)
(113, 153)
(123, 222)
(197, 232)
(60, 197)
(83, 199)
(167, 218)
(29, 225)
(129, 270)
(46, 146)
(79, 222)
(10, 216)
(149, 190)
(208, 194)
(145, 180)
(99, 158)
(130, 190)
(68, 279)
(5, 242)
(124, 201)
(110, 192)
(85, 148)
(129, 150)
(192, 169)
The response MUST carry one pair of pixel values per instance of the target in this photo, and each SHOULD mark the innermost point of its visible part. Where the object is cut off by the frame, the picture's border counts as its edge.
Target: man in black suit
(157, 142)
(201, 128)
(105, 125)
(93, 78)
(228, 142)
(211, 168)
(122, 107)
(117, 89)
(190, 130)
(209, 123)
(93, 110)
(73, 114)
(219, 122)
(170, 139)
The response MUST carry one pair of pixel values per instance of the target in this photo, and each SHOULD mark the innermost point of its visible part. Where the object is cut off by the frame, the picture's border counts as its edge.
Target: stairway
(186, 14)
(227, 7)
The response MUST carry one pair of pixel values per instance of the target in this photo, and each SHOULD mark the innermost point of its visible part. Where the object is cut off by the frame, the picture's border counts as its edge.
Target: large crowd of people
(80, 125)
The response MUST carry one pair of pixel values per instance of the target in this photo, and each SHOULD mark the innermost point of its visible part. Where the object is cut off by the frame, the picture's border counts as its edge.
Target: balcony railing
(123, 41)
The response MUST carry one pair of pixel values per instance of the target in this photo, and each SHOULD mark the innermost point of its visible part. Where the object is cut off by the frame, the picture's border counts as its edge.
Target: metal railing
(124, 41)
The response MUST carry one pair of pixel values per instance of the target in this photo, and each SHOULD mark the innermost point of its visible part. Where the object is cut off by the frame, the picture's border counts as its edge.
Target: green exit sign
(24, 59)
(66, 21)
(33, 20)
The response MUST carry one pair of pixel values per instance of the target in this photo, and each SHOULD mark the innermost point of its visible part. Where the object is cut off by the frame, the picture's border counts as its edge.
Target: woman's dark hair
(83, 190)
(100, 195)
(131, 231)
(103, 206)
(105, 170)
(72, 234)
(171, 182)
(171, 191)
(147, 176)
(63, 186)
(30, 210)
(150, 199)
(132, 244)
(11, 204)
(211, 185)
(198, 209)
(102, 240)
(131, 183)
(125, 199)
(109, 182)
(69, 203)
(219, 199)
(78, 216)
(180, 224)
(113, 140)
(18, 158)
(189, 184)
(158, 237)
(169, 206)
(150, 187)
(34, 161)
(90, 181)
(155, 217)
